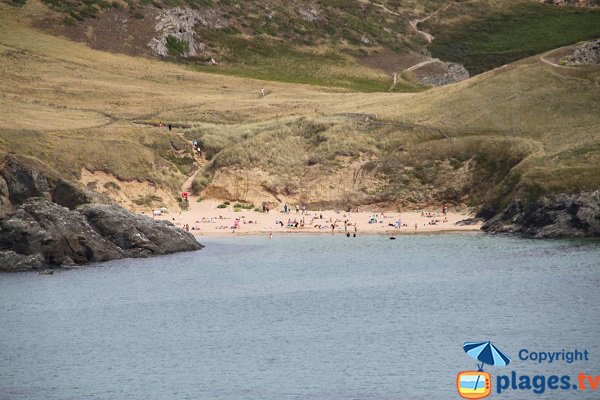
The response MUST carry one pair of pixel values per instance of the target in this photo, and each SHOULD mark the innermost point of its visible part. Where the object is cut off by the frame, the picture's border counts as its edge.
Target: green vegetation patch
(273, 60)
(177, 47)
(524, 31)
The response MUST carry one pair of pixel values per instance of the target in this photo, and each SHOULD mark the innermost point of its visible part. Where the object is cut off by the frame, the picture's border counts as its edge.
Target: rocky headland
(552, 216)
(48, 223)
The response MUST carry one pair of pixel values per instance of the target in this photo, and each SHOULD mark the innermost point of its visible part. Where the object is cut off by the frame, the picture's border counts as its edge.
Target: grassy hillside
(495, 39)
(522, 130)
(352, 44)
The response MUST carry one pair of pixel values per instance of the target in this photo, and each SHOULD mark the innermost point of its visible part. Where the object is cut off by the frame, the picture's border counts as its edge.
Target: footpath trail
(421, 64)
(415, 22)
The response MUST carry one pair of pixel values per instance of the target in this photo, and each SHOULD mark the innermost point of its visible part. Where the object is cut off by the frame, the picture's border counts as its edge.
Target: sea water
(301, 317)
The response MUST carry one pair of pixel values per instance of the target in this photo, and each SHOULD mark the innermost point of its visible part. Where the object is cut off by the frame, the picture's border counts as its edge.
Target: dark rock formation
(137, 235)
(4, 201)
(22, 182)
(42, 234)
(469, 221)
(552, 216)
(14, 262)
(67, 195)
(48, 223)
(60, 236)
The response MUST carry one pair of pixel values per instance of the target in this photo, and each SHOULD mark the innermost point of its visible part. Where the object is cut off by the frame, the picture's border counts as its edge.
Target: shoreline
(205, 219)
(300, 233)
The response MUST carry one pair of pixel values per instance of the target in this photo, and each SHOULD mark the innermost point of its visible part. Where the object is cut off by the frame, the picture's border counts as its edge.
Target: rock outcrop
(448, 73)
(435, 72)
(552, 216)
(49, 223)
(59, 235)
(137, 235)
(179, 24)
(575, 3)
(21, 182)
(587, 53)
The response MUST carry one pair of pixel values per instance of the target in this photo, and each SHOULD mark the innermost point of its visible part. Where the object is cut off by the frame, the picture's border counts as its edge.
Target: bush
(147, 200)
(244, 206)
(112, 186)
(222, 205)
(177, 47)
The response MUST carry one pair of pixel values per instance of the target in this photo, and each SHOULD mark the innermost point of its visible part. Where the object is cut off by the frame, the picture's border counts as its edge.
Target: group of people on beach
(334, 221)
(300, 209)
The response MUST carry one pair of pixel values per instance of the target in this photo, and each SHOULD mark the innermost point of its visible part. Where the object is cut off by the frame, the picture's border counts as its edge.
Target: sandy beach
(206, 219)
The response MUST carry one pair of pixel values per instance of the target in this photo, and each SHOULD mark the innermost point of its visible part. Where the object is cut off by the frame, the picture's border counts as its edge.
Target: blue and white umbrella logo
(487, 353)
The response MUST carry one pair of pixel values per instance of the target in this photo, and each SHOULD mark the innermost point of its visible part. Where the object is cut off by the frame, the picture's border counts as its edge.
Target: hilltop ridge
(362, 45)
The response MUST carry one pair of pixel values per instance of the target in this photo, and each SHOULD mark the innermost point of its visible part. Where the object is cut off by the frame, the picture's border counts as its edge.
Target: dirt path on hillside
(384, 8)
(415, 22)
(543, 59)
(553, 64)
(187, 185)
(414, 25)
(421, 64)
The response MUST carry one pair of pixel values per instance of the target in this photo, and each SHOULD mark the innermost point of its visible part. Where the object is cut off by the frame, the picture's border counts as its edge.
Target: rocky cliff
(46, 222)
(587, 53)
(552, 216)
(178, 25)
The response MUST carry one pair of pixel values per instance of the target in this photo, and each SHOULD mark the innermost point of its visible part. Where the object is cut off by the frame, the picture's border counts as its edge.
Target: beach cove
(206, 219)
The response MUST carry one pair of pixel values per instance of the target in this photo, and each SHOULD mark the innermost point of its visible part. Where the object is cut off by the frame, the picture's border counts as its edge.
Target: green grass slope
(516, 33)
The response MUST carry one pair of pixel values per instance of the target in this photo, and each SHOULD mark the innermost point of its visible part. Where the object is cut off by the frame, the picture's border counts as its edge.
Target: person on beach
(297, 209)
(304, 209)
(285, 208)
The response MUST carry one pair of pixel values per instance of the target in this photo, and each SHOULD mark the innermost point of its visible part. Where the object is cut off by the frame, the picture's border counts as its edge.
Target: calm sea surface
(301, 317)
